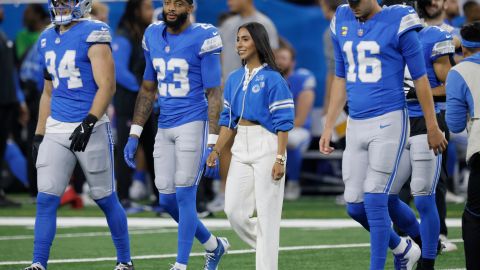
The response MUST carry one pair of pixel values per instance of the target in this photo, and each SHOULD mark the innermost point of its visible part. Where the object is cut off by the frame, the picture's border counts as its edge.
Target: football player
(372, 45)
(418, 161)
(183, 63)
(72, 124)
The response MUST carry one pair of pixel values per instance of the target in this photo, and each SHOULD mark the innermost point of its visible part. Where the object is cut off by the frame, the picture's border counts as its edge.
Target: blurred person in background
(100, 11)
(302, 85)
(8, 100)
(463, 111)
(35, 20)
(452, 13)
(471, 9)
(129, 68)
(245, 12)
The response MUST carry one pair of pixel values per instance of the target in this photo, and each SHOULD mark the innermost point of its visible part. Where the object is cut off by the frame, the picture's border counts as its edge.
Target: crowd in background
(21, 78)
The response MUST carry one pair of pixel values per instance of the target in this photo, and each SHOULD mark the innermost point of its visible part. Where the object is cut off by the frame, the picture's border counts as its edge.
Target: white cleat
(408, 259)
(138, 190)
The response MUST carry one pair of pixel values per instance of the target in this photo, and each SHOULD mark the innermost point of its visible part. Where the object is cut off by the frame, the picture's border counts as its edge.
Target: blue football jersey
(436, 43)
(371, 60)
(298, 81)
(65, 57)
(177, 63)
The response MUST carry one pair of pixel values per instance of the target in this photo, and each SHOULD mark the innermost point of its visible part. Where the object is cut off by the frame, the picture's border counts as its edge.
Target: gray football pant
(178, 156)
(55, 163)
(372, 154)
(421, 163)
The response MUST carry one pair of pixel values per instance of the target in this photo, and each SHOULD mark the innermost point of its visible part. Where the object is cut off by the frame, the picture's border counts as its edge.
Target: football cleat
(212, 258)
(407, 260)
(124, 266)
(35, 266)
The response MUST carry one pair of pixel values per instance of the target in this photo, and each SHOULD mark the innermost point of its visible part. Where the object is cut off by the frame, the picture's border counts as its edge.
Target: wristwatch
(281, 159)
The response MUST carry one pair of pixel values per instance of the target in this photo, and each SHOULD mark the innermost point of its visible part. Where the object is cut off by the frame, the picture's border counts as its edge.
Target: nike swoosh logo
(82, 129)
(215, 33)
(104, 28)
(384, 126)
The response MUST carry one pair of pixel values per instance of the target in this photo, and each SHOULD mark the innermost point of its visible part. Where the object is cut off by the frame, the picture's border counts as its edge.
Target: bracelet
(216, 151)
(279, 162)
(136, 130)
(212, 138)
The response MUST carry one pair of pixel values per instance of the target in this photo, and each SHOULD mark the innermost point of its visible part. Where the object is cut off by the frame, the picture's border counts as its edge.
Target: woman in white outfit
(259, 106)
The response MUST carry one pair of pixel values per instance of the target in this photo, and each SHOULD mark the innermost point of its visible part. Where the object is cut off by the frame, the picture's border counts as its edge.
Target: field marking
(200, 254)
(210, 223)
(89, 234)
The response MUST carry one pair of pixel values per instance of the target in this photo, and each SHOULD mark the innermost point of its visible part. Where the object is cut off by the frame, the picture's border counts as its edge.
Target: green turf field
(154, 248)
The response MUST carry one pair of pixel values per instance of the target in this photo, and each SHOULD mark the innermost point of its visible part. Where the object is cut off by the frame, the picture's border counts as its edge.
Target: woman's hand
(278, 171)
(212, 159)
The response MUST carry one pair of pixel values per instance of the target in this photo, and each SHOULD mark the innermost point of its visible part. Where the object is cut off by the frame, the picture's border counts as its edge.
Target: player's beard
(175, 25)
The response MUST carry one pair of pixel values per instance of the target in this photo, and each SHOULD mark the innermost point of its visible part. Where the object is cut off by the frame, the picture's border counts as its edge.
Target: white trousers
(250, 187)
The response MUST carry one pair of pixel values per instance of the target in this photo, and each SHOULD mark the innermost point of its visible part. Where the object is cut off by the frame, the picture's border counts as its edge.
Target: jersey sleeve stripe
(443, 47)
(101, 36)
(144, 44)
(211, 44)
(282, 107)
(280, 102)
(409, 21)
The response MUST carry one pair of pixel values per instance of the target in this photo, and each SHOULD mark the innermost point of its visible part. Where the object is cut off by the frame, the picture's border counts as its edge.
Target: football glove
(81, 135)
(37, 140)
(211, 172)
(129, 151)
(409, 89)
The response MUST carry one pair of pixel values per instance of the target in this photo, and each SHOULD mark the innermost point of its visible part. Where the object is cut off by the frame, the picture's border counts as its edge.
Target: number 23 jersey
(184, 65)
(369, 57)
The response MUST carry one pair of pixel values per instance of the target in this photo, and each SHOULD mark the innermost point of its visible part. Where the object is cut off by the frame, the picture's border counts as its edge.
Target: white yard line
(197, 254)
(211, 223)
(89, 234)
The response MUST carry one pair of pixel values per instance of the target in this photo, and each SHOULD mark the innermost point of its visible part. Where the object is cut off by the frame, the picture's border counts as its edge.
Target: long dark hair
(130, 21)
(262, 43)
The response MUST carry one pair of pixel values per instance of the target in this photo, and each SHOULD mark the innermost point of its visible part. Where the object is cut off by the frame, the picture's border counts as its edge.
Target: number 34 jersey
(369, 57)
(184, 65)
(65, 57)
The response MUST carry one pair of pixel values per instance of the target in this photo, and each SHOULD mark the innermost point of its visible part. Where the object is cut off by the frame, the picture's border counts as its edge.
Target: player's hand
(129, 151)
(37, 140)
(436, 141)
(278, 171)
(81, 135)
(324, 144)
(212, 168)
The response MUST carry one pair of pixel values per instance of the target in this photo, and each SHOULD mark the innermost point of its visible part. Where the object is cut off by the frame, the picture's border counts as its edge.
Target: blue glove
(129, 151)
(211, 172)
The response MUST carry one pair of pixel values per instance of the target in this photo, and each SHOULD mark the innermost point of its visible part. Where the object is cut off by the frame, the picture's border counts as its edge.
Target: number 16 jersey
(184, 65)
(369, 57)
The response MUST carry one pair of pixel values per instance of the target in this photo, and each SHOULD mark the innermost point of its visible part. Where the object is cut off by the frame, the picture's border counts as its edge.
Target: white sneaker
(218, 204)
(292, 191)
(447, 246)
(408, 259)
(453, 198)
(138, 190)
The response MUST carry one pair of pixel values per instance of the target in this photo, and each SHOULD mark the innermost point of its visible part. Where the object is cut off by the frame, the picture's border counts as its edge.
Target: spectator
(35, 20)
(8, 100)
(100, 12)
(246, 12)
(463, 103)
(302, 85)
(471, 9)
(129, 67)
(452, 12)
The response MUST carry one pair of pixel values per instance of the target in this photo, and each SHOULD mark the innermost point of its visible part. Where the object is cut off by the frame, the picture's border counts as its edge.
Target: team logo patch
(344, 31)
(57, 40)
(256, 88)
(43, 42)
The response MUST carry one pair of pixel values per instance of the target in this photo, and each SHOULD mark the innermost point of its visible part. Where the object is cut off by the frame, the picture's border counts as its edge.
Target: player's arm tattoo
(214, 97)
(144, 103)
